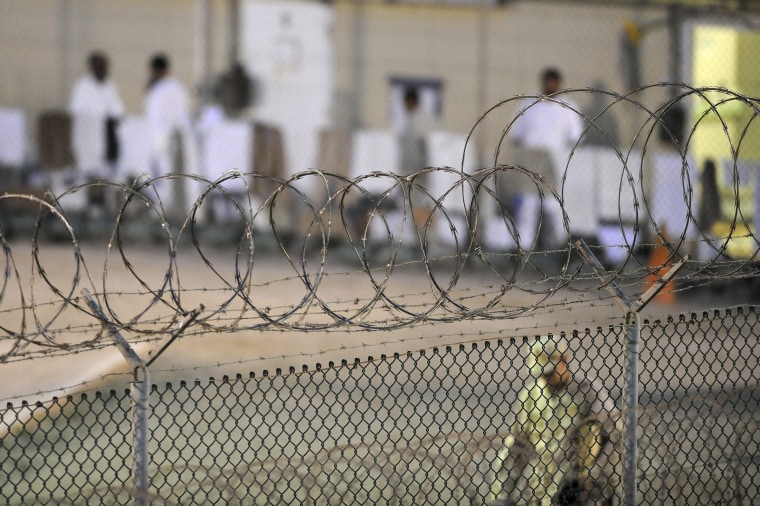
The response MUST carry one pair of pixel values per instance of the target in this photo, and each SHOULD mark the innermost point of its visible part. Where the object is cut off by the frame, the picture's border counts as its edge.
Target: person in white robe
(553, 125)
(95, 107)
(167, 110)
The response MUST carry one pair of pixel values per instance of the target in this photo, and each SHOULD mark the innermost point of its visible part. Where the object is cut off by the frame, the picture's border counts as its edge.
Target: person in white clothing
(411, 130)
(95, 108)
(543, 134)
(550, 123)
(167, 110)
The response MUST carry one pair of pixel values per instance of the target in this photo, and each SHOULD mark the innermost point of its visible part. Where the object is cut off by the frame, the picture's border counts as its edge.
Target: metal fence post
(633, 336)
(631, 309)
(140, 392)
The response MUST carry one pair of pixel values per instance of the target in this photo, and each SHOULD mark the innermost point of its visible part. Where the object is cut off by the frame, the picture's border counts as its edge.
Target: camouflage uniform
(559, 442)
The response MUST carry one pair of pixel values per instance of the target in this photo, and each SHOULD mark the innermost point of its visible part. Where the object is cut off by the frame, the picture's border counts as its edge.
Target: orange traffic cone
(659, 263)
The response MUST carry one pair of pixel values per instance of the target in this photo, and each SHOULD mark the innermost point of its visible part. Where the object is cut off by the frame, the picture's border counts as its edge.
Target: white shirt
(549, 125)
(92, 102)
(411, 132)
(167, 109)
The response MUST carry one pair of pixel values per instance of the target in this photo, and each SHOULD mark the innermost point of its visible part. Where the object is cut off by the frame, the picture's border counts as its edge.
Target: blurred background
(284, 86)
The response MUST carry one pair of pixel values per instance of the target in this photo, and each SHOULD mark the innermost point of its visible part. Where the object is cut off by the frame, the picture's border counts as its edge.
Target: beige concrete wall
(406, 41)
(519, 40)
(44, 44)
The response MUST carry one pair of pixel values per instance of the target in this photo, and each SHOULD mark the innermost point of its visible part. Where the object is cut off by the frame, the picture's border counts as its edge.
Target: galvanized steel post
(631, 309)
(140, 391)
(631, 413)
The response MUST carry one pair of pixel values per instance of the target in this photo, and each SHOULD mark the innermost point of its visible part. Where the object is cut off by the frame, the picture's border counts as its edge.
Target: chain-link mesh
(382, 238)
(425, 427)
(533, 420)
(699, 440)
(80, 454)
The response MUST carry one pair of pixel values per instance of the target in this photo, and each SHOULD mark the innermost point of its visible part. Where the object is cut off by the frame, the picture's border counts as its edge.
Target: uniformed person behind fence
(560, 448)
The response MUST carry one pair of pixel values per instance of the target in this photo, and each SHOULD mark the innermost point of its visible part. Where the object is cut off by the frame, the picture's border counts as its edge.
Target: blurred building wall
(443, 42)
(44, 43)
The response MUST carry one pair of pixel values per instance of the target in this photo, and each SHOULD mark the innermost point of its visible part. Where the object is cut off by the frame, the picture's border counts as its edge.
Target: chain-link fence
(429, 214)
(424, 427)
(493, 424)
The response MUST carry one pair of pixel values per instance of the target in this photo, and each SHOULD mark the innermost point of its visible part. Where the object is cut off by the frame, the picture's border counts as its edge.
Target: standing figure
(543, 135)
(411, 130)
(167, 110)
(559, 447)
(95, 108)
(550, 123)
